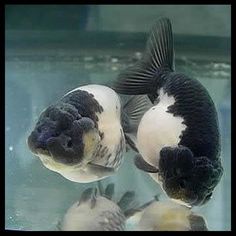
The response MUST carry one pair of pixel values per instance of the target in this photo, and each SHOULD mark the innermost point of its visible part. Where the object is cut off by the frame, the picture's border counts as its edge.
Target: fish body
(178, 137)
(81, 136)
(104, 216)
(169, 216)
(98, 211)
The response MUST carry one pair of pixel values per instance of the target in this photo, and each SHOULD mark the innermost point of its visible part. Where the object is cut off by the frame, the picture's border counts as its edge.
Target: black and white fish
(169, 216)
(98, 211)
(83, 136)
(178, 138)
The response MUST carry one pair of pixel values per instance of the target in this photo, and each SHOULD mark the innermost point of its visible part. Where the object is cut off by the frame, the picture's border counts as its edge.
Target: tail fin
(159, 48)
(133, 111)
(140, 78)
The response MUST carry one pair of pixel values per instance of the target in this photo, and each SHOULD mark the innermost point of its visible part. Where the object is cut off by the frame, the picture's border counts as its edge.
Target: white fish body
(158, 129)
(109, 124)
(83, 135)
(104, 216)
(169, 216)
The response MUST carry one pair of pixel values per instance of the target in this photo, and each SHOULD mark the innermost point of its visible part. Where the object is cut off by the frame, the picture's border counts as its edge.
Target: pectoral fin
(141, 164)
(130, 141)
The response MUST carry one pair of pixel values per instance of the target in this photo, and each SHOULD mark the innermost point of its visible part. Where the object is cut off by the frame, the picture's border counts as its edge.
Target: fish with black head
(83, 136)
(178, 137)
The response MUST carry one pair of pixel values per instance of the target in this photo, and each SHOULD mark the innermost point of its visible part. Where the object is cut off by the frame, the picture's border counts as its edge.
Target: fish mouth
(186, 197)
(171, 187)
(201, 200)
(45, 152)
(52, 163)
(189, 202)
(68, 147)
(186, 187)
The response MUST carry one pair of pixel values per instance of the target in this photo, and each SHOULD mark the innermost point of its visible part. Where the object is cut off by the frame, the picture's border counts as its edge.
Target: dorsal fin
(86, 195)
(109, 191)
(93, 198)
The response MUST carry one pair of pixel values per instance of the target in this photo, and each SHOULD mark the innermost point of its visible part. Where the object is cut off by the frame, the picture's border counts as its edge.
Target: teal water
(35, 197)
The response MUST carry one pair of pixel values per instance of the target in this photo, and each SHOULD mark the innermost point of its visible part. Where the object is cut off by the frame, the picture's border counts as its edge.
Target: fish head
(189, 180)
(186, 190)
(62, 137)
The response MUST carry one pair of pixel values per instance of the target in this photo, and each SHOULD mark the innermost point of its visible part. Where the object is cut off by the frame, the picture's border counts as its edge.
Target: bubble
(114, 60)
(138, 55)
(88, 58)
(114, 68)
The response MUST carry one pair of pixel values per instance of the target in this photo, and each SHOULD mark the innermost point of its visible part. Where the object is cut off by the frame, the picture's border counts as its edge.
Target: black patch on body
(61, 126)
(192, 169)
(85, 104)
(194, 104)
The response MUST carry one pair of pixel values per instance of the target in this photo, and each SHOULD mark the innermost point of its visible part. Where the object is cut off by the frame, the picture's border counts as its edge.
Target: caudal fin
(159, 48)
(140, 78)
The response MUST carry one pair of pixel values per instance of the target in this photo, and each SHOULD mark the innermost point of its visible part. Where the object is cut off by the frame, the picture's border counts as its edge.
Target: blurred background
(51, 49)
(203, 20)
